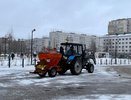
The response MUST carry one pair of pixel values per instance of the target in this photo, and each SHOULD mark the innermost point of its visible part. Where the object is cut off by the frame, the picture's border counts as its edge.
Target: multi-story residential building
(117, 43)
(39, 44)
(57, 37)
(119, 26)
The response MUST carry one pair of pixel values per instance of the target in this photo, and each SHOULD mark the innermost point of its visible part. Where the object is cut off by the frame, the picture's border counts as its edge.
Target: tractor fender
(91, 61)
(52, 67)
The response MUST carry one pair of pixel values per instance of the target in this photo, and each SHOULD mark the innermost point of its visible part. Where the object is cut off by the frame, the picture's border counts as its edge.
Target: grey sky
(80, 16)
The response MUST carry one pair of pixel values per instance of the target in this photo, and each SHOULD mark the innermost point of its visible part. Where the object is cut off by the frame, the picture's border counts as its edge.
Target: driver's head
(72, 48)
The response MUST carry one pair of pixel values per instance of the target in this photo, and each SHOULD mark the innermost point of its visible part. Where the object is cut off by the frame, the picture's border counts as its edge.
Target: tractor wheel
(42, 75)
(52, 72)
(90, 68)
(62, 71)
(76, 68)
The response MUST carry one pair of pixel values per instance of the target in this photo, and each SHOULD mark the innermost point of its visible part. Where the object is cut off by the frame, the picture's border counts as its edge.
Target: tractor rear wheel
(76, 68)
(52, 72)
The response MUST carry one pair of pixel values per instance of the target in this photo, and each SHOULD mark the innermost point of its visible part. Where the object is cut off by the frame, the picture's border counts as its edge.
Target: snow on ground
(21, 76)
(96, 97)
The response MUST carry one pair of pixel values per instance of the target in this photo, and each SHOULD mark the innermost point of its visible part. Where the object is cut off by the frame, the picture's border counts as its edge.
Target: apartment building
(119, 26)
(39, 44)
(117, 43)
(57, 37)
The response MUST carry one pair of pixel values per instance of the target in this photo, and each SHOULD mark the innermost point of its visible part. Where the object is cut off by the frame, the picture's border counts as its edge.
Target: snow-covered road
(104, 84)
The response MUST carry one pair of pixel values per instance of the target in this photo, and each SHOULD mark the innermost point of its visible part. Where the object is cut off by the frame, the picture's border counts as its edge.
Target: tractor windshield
(72, 49)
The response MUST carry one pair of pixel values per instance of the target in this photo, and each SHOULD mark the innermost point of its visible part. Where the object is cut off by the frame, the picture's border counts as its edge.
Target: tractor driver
(71, 51)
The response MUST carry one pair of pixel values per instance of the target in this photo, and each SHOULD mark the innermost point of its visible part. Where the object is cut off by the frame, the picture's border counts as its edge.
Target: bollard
(120, 62)
(35, 61)
(100, 61)
(111, 61)
(106, 61)
(23, 62)
(9, 61)
(124, 61)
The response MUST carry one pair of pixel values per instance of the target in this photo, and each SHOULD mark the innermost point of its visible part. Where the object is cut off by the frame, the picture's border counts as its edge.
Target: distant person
(12, 56)
(34, 54)
(21, 55)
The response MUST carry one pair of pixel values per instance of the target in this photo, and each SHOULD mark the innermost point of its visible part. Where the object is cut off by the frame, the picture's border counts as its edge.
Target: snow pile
(96, 97)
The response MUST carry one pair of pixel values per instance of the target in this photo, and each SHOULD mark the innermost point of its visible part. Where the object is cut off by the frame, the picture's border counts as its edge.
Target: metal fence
(111, 61)
(16, 61)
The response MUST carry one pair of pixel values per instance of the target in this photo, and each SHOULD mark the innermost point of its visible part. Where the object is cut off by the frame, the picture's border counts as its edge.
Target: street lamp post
(32, 44)
(116, 48)
(5, 40)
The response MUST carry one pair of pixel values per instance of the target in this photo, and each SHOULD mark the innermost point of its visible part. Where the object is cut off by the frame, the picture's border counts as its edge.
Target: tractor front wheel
(90, 68)
(42, 75)
(52, 72)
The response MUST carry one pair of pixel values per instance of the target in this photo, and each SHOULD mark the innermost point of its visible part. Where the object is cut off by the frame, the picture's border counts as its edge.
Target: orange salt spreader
(48, 63)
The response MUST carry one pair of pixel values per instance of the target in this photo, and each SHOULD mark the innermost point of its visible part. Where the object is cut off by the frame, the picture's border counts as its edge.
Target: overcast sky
(80, 16)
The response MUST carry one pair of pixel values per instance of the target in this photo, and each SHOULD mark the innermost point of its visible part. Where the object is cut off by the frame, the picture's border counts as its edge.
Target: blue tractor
(75, 57)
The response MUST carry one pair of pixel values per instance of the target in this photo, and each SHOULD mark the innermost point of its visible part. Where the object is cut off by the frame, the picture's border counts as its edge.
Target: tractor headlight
(48, 60)
(42, 68)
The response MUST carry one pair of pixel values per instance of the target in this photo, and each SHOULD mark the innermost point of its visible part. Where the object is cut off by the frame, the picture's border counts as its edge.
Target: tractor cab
(72, 49)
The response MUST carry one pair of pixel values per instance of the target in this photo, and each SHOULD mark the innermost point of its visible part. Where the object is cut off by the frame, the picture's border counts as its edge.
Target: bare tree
(93, 45)
(108, 46)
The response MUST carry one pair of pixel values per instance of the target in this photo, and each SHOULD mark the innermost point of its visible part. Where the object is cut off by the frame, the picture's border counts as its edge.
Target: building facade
(119, 26)
(120, 44)
(57, 37)
(39, 44)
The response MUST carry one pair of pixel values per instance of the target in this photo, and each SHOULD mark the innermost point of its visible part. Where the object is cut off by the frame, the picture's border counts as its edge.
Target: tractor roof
(74, 44)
